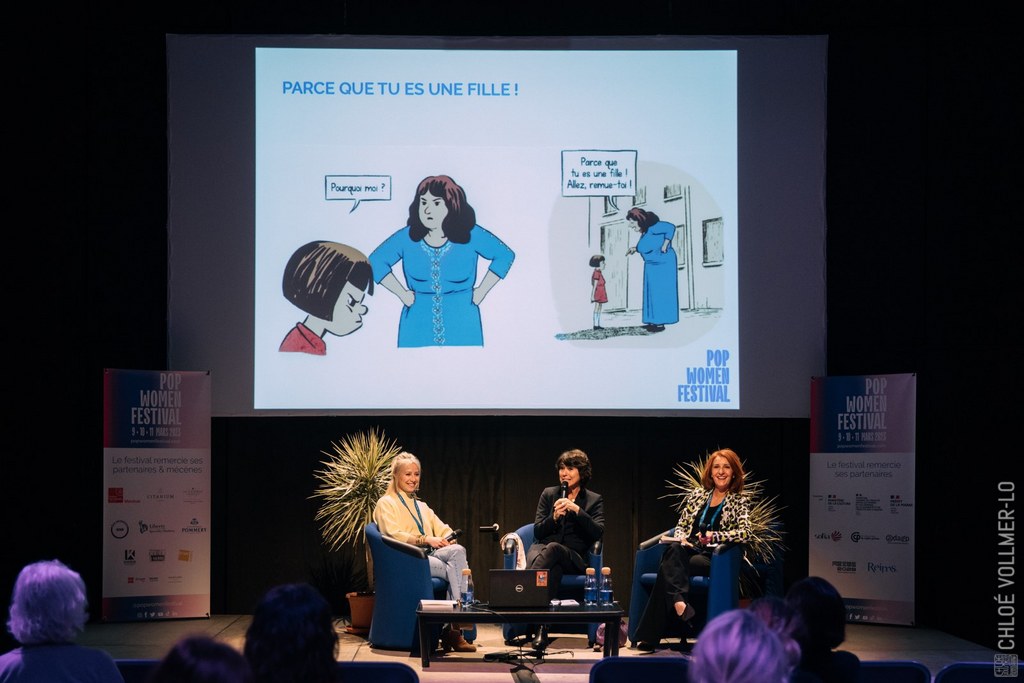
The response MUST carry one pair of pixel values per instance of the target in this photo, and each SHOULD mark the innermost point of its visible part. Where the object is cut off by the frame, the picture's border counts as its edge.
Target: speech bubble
(598, 172)
(357, 188)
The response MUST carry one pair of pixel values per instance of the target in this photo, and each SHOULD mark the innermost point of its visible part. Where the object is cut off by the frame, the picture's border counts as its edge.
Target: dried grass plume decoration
(765, 535)
(354, 476)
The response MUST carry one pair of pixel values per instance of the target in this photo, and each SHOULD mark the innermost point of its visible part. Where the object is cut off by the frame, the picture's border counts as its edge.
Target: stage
(568, 660)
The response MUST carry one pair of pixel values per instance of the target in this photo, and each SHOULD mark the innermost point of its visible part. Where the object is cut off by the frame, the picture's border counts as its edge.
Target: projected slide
(496, 230)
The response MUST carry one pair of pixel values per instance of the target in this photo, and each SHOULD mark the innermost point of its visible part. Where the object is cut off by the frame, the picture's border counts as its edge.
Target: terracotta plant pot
(361, 605)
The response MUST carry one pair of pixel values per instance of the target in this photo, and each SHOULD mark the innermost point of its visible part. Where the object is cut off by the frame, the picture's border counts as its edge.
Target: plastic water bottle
(466, 592)
(590, 587)
(606, 587)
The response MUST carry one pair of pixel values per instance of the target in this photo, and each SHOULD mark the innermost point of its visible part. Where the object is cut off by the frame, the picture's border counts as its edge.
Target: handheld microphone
(453, 535)
(564, 493)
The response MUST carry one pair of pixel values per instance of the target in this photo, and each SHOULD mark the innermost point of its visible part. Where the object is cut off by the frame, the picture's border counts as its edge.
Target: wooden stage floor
(568, 660)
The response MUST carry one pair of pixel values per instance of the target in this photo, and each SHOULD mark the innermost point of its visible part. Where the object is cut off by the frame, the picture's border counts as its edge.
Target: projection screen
(496, 225)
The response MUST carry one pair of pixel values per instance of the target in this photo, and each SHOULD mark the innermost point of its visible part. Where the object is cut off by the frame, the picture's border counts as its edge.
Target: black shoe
(654, 328)
(598, 327)
(540, 641)
(646, 647)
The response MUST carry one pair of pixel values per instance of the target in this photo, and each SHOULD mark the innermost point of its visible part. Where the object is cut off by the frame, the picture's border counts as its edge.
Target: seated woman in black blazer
(569, 520)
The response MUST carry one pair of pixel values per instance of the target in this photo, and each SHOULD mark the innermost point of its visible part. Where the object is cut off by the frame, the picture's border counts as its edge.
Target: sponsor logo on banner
(834, 502)
(119, 529)
(896, 503)
(157, 555)
(160, 495)
(115, 494)
(897, 539)
(844, 566)
(867, 504)
(184, 555)
(192, 495)
(148, 528)
(881, 568)
(834, 536)
(194, 527)
(129, 556)
(857, 537)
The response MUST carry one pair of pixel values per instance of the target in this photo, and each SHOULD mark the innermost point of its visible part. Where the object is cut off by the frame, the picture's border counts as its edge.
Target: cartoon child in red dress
(598, 293)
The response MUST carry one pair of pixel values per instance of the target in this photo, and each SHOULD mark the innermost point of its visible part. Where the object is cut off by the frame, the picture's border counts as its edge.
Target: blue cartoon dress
(442, 279)
(661, 289)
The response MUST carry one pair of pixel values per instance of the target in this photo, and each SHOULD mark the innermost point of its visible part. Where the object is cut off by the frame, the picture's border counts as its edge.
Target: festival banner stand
(156, 493)
(861, 518)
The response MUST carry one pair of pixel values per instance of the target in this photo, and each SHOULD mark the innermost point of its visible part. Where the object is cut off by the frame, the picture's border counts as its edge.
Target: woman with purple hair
(737, 647)
(48, 611)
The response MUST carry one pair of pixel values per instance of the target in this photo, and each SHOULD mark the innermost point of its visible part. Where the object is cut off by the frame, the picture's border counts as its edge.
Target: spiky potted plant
(353, 477)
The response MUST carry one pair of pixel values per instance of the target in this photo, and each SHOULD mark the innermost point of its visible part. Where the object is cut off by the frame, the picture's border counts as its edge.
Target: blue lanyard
(419, 522)
(707, 505)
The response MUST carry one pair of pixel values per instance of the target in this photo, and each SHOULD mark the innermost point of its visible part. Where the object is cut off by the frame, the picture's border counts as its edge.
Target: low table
(481, 614)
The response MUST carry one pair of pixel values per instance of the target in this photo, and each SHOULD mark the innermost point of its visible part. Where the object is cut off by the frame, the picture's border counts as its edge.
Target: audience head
(578, 459)
(292, 637)
(48, 604)
(782, 618)
(201, 659)
(821, 608)
(737, 647)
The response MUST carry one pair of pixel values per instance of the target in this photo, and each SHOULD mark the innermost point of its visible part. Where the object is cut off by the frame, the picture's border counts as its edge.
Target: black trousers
(678, 564)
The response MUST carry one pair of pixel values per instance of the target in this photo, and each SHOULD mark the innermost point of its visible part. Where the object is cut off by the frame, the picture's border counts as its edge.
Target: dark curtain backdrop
(477, 471)
(924, 111)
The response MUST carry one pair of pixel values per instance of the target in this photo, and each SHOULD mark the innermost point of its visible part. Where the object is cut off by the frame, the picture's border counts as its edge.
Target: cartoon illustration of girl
(598, 293)
(328, 281)
(439, 250)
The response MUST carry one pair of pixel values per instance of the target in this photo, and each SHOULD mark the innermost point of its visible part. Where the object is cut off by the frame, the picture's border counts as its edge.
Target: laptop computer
(519, 588)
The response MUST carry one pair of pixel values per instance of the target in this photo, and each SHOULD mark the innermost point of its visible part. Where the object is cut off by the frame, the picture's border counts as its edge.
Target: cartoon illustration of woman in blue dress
(439, 250)
(661, 287)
